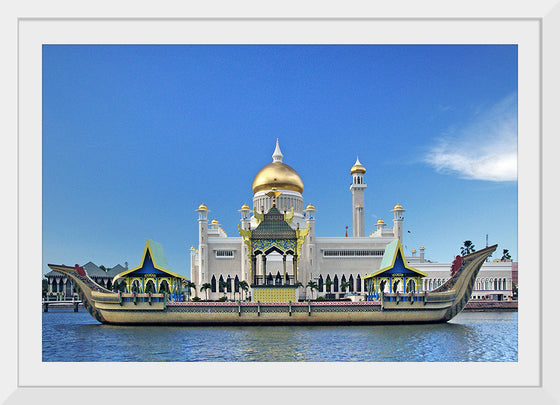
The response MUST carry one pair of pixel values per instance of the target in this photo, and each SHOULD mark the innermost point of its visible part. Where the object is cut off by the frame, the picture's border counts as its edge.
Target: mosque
(277, 248)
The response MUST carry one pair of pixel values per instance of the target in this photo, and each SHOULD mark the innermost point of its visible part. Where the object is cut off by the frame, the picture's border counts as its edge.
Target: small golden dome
(413, 250)
(398, 207)
(192, 247)
(357, 168)
(310, 207)
(214, 222)
(278, 175)
(202, 207)
(245, 207)
(380, 221)
(422, 247)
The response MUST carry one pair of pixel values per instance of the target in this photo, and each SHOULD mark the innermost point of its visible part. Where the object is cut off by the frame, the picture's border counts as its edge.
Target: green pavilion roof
(274, 226)
(392, 250)
(154, 251)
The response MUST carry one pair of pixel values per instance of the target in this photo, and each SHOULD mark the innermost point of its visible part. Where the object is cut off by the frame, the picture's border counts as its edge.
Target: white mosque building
(336, 264)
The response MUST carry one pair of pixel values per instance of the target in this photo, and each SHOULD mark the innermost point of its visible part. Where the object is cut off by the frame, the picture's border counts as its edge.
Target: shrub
(222, 299)
(196, 298)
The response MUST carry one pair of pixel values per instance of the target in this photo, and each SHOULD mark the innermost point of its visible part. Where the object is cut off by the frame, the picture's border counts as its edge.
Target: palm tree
(344, 285)
(467, 248)
(206, 287)
(312, 286)
(244, 286)
(506, 255)
(328, 284)
(223, 287)
(189, 285)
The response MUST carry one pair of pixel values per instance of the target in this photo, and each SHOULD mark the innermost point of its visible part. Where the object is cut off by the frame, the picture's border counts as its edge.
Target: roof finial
(277, 155)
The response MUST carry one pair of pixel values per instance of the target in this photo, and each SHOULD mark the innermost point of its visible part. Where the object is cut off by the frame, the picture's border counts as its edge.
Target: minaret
(310, 242)
(245, 216)
(203, 243)
(245, 225)
(194, 274)
(397, 221)
(358, 203)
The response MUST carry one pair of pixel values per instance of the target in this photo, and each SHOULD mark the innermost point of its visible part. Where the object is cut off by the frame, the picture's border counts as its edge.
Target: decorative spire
(277, 155)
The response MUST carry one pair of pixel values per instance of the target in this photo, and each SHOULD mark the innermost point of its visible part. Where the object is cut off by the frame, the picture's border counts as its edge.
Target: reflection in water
(492, 336)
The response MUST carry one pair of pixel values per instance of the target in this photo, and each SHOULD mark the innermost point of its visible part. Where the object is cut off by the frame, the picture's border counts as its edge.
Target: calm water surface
(470, 336)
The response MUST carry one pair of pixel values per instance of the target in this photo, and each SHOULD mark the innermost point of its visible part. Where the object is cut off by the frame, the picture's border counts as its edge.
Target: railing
(147, 297)
(261, 280)
(61, 299)
(397, 297)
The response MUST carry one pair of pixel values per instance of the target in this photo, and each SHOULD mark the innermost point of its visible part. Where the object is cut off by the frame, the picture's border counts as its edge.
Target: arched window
(135, 287)
(236, 284)
(410, 286)
(150, 287)
(395, 286)
(328, 284)
(343, 283)
(351, 281)
(335, 283)
(220, 284)
(495, 284)
(358, 283)
(278, 279)
(213, 282)
(164, 287)
(320, 283)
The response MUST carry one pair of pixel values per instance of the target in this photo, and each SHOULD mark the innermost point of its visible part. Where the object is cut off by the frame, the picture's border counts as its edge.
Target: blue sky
(136, 137)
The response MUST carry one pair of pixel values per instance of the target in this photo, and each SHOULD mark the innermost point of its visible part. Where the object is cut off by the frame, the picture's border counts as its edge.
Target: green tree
(344, 285)
(467, 248)
(223, 286)
(188, 285)
(244, 287)
(205, 287)
(312, 285)
(506, 255)
(328, 284)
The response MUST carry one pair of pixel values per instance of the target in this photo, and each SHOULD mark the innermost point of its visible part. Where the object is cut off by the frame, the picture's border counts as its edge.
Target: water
(470, 336)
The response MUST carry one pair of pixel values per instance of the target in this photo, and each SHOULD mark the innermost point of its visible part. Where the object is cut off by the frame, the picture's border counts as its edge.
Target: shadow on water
(468, 337)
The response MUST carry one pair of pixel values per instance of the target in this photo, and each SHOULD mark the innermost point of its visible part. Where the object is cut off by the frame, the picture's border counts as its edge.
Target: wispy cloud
(483, 149)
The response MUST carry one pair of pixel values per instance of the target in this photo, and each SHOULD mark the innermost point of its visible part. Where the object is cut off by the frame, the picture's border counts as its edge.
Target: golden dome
(380, 221)
(357, 168)
(398, 207)
(278, 175)
(413, 250)
(310, 207)
(245, 207)
(214, 222)
(202, 207)
(422, 247)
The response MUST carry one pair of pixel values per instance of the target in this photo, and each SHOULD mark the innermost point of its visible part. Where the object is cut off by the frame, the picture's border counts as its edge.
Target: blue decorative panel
(398, 268)
(147, 268)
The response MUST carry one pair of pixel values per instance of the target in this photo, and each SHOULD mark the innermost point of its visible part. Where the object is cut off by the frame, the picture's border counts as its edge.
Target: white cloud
(483, 149)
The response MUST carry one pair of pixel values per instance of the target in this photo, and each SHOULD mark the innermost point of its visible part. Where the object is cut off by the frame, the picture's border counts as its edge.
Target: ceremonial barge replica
(380, 307)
